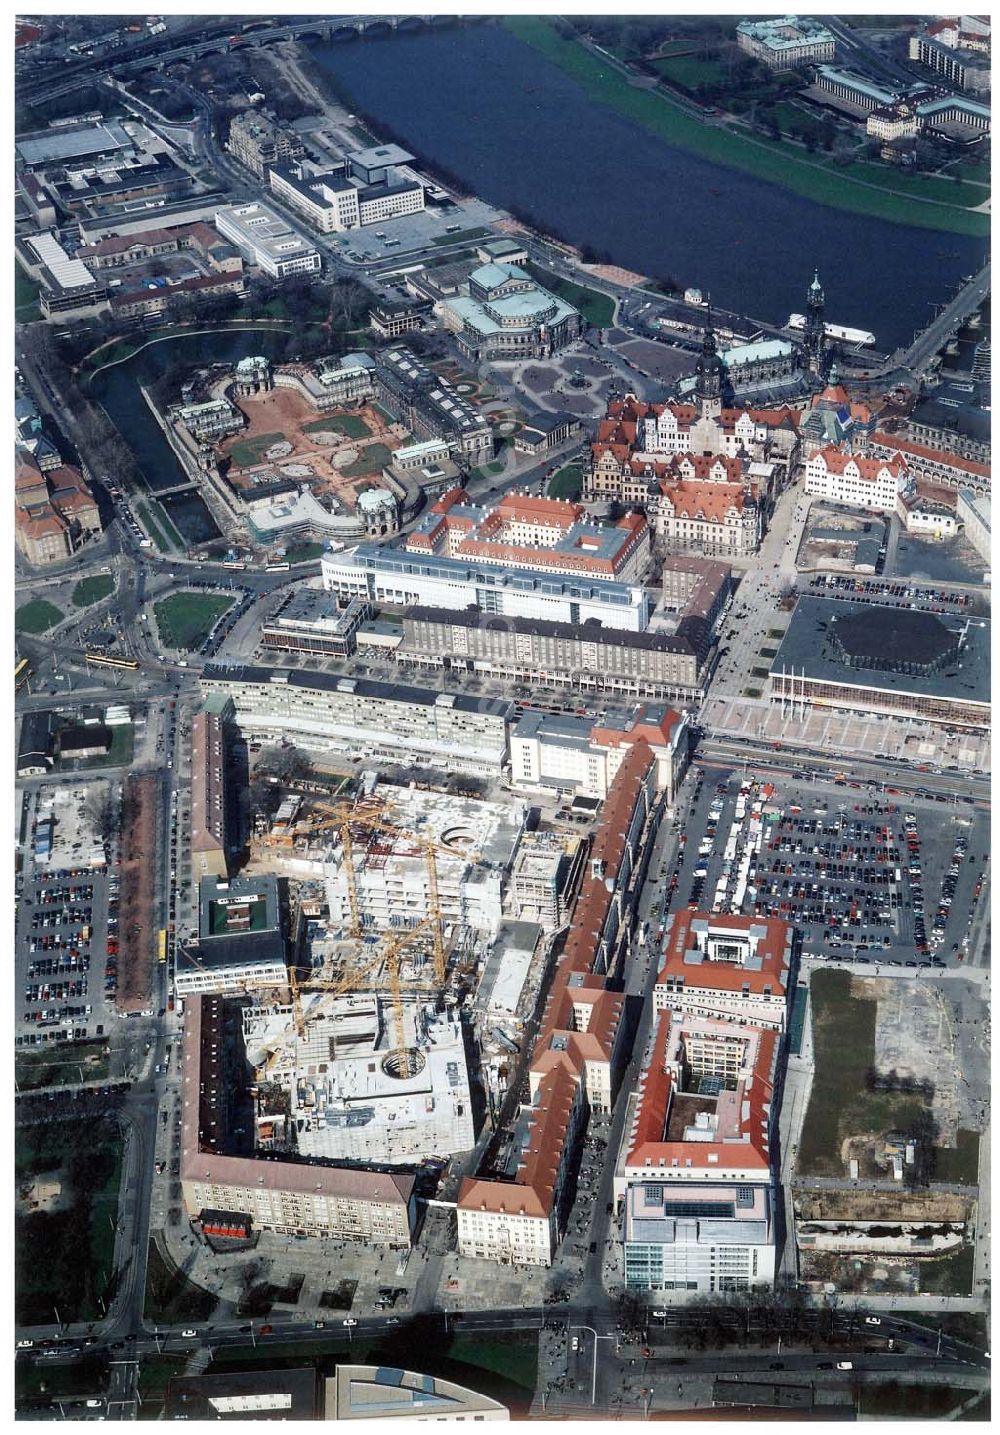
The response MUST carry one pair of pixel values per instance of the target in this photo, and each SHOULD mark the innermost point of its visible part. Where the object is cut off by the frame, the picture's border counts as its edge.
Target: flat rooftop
(360, 687)
(810, 648)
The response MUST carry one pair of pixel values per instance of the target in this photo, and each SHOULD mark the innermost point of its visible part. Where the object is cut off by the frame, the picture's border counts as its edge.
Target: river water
(117, 388)
(523, 135)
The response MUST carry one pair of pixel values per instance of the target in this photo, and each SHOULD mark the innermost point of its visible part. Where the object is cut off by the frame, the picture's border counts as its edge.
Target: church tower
(708, 375)
(814, 340)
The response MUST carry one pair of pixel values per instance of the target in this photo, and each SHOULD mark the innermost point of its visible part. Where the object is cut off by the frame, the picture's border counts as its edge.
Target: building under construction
(332, 1087)
(433, 852)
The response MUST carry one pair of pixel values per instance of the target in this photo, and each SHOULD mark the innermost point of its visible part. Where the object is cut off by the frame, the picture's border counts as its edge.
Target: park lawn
(921, 186)
(840, 1105)
(38, 616)
(774, 163)
(170, 1297)
(567, 483)
(64, 1260)
(351, 425)
(62, 1065)
(951, 1275)
(92, 590)
(598, 309)
(305, 553)
(371, 460)
(247, 451)
(959, 1164)
(514, 1358)
(26, 308)
(119, 754)
(462, 237)
(689, 71)
(153, 528)
(788, 115)
(185, 619)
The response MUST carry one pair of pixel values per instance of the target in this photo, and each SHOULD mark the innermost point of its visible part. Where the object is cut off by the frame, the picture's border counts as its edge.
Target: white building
(386, 722)
(721, 1241)
(575, 756)
(853, 479)
(974, 513)
(925, 517)
(474, 845)
(388, 575)
(264, 239)
(785, 40)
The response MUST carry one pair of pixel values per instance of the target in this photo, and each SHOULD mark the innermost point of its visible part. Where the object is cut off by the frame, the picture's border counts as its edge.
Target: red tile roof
(919, 451)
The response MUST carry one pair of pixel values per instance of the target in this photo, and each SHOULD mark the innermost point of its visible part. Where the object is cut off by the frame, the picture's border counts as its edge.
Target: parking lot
(876, 590)
(66, 926)
(863, 876)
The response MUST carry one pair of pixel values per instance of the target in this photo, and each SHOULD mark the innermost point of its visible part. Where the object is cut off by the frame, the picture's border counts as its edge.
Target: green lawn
(185, 619)
(567, 483)
(952, 1275)
(689, 71)
(38, 616)
(92, 590)
(841, 1106)
(372, 460)
(63, 1259)
(880, 196)
(156, 533)
(118, 755)
(959, 1165)
(350, 425)
(305, 553)
(63, 1065)
(598, 309)
(245, 452)
(462, 237)
(26, 308)
(170, 1297)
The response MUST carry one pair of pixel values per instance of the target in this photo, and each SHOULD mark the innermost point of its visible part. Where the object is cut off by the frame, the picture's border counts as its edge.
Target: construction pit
(349, 1089)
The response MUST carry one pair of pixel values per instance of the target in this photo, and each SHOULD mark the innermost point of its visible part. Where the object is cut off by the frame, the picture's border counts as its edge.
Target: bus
(161, 945)
(104, 660)
(22, 672)
(277, 567)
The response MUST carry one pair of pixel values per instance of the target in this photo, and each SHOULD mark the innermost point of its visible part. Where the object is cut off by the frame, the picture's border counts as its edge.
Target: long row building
(578, 1057)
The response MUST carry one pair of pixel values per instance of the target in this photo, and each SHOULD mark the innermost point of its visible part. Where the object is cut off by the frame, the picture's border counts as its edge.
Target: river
(118, 389)
(522, 134)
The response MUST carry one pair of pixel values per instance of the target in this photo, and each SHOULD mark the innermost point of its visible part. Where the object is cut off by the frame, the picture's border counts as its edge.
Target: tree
(99, 810)
(285, 763)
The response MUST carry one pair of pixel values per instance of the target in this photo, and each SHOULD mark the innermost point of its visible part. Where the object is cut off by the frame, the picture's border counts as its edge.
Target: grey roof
(969, 422)
(592, 631)
(808, 647)
(217, 953)
(363, 687)
(57, 145)
(205, 1397)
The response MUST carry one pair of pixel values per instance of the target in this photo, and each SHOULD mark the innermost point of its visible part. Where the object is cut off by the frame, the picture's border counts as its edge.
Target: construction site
(395, 905)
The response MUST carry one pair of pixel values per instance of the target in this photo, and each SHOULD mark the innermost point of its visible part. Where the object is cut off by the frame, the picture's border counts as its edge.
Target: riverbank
(124, 349)
(885, 196)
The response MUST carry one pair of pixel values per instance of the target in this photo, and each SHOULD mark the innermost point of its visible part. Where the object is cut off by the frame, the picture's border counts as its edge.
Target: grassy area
(245, 452)
(951, 1275)
(38, 616)
(305, 553)
(92, 590)
(463, 236)
(119, 754)
(689, 71)
(844, 1039)
(879, 196)
(959, 1165)
(567, 483)
(63, 1259)
(65, 1064)
(598, 309)
(170, 1296)
(372, 460)
(350, 425)
(156, 533)
(26, 309)
(185, 619)
(908, 1401)
(514, 1358)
